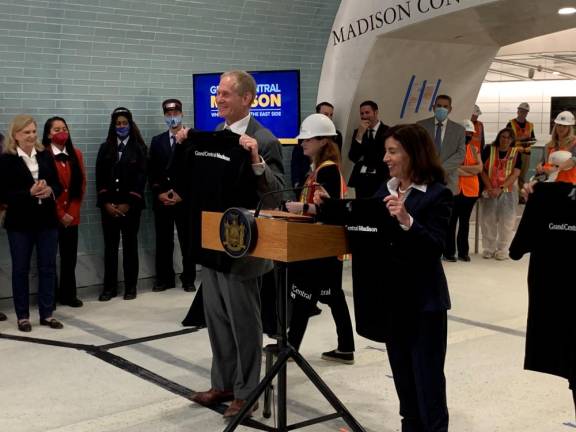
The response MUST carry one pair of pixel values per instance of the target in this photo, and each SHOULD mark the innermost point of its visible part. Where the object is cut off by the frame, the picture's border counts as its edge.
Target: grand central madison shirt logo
(237, 232)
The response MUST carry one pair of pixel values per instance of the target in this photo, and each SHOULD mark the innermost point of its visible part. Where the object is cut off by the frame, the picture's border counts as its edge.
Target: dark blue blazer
(24, 212)
(396, 274)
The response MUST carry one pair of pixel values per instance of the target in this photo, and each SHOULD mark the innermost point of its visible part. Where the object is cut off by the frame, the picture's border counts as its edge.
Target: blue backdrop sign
(277, 104)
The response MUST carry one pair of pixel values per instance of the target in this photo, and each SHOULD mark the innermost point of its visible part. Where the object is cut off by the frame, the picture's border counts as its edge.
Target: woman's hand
(66, 220)
(494, 192)
(37, 188)
(123, 208)
(112, 210)
(397, 209)
(527, 189)
(295, 207)
(320, 195)
(539, 168)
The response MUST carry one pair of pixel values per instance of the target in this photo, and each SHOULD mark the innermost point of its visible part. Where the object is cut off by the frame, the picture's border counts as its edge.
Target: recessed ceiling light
(555, 73)
(567, 11)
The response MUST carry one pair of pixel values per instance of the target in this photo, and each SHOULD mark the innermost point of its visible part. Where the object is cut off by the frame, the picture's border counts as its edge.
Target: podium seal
(238, 232)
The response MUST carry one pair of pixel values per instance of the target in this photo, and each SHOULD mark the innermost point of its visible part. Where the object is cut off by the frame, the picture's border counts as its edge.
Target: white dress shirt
(56, 151)
(30, 161)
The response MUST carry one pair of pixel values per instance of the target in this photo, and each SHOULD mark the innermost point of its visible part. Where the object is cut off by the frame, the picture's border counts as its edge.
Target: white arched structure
(401, 53)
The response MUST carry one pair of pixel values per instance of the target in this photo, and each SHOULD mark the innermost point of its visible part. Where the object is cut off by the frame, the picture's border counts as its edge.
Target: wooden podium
(285, 241)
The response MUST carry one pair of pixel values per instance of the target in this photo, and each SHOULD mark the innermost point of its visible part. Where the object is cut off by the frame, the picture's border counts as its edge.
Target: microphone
(271, 193)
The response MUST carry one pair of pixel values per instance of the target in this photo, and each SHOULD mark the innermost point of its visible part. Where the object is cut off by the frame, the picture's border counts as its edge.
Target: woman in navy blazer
(400, 290)
(29, 187)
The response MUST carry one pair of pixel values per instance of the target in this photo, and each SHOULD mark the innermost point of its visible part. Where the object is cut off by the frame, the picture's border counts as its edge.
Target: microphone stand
(283, 352)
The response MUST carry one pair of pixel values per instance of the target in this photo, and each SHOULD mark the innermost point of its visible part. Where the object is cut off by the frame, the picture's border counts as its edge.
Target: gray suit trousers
(232, 309)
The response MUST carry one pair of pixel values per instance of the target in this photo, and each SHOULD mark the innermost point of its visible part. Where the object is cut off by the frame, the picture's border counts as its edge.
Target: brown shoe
(236, 406)
(213, 397)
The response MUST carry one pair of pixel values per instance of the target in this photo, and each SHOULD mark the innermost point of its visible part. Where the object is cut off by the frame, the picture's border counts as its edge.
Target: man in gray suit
(232, 300)
(449, 138)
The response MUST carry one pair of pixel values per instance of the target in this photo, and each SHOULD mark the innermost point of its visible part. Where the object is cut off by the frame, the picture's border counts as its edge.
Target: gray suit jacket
(453, 149)
(272, 179)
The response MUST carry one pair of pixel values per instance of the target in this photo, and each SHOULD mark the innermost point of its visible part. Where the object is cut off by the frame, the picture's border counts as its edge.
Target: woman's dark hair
(1, 143)
(424, 164)
(510, 131)
(77, 176)
(135, 140)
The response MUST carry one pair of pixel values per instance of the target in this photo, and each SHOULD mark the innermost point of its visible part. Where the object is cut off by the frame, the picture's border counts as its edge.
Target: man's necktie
(121, 148)
(172, 141)
(61, 157)
(371, 134)
(438, 137)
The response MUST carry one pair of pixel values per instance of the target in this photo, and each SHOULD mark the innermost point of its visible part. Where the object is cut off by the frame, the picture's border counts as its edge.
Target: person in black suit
(120, 182)
(168, 208)
(367, 151)
(29, 187)
(400, 290)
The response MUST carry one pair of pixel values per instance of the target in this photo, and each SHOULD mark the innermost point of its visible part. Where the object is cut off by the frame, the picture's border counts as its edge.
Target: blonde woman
(29, 187)
(562, 138)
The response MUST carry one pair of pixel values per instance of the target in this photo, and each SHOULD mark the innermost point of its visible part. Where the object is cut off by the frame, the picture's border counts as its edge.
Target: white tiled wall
(498, 102)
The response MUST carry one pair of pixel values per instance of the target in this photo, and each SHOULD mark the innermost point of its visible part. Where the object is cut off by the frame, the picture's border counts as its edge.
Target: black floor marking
(493, 327)
(102, 353)
(49, 342)
(148, 338)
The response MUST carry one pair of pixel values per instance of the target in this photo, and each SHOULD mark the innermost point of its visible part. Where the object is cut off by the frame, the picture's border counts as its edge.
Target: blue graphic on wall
(419, 95)
(277, 104)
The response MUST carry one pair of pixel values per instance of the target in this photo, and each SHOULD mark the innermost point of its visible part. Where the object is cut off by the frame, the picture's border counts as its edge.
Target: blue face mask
(441, 113)
(123, 131)
(173, 121)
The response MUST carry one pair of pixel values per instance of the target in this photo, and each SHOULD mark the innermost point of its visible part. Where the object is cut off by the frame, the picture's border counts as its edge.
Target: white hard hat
(559, 156)
(476, 111)
(468, 125)
(316, 125)
(565, 118)
(524, 106)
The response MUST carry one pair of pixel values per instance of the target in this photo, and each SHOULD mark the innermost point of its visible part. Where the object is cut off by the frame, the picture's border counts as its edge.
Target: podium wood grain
(282, 240)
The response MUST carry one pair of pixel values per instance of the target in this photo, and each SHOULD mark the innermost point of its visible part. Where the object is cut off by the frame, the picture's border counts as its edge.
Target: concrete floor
(62, 389)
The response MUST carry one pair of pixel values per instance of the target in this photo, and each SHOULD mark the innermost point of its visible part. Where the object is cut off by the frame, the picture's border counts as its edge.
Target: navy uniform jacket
(121, 181)
(159, 162)
(396, 274)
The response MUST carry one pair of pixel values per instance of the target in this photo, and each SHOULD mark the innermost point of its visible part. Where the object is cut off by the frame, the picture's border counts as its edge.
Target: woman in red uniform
(71, 173)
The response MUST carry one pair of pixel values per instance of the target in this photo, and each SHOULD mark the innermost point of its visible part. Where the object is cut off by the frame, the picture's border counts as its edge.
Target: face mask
(468, 138)
(60, 138)
(123, 132)
(173, 121)
(441, 113)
